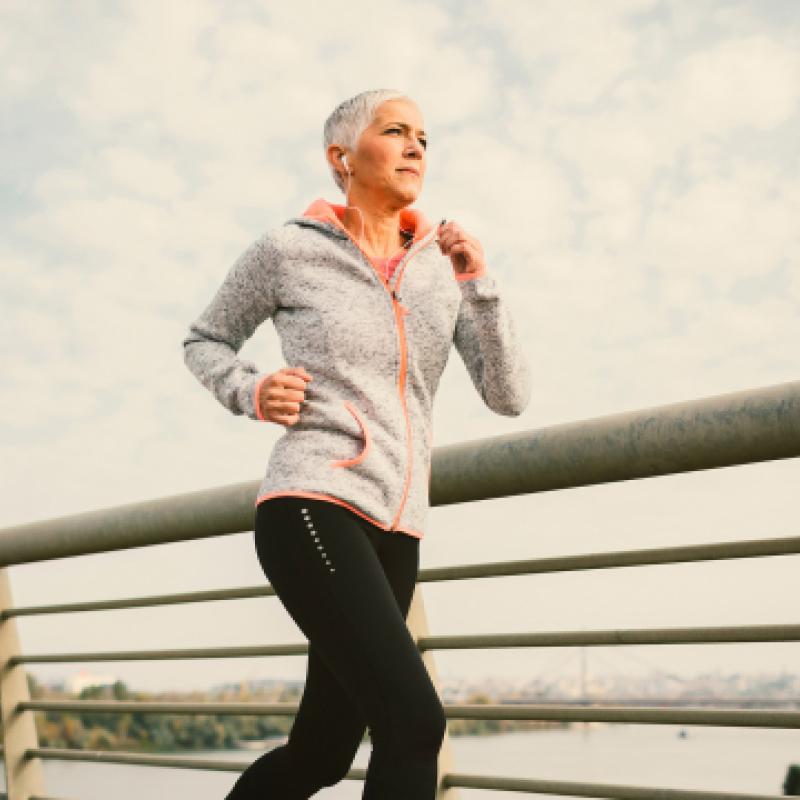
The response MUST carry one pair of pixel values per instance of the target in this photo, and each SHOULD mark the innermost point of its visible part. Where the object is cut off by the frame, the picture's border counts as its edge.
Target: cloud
(629, 167)
(748, 81)
(573, 53)
(723, 230)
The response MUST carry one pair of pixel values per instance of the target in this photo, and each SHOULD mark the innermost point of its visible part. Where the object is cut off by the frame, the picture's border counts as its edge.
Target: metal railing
(726, 430)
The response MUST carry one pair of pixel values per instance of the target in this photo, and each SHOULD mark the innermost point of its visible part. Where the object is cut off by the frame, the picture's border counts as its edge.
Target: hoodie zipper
(400, 311)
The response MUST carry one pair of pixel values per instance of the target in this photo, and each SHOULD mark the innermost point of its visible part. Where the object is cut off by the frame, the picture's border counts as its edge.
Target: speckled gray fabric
(359, 440)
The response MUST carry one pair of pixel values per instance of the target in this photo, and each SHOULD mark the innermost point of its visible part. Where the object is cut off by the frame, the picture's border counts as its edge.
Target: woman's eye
(423, 142)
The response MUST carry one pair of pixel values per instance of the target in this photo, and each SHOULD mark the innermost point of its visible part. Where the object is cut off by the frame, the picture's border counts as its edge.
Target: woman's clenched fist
(282, 393)
(465, 251)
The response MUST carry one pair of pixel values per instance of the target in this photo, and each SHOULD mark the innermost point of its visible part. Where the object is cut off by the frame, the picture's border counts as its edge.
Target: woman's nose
(413, 146)
(413, 149)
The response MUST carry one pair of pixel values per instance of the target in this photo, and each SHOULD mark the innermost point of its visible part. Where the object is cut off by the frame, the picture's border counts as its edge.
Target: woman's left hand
(465, 251)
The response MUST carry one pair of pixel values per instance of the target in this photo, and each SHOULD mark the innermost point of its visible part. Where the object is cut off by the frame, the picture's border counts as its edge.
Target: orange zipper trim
(365, 448)
(339, 502)
(399, 312)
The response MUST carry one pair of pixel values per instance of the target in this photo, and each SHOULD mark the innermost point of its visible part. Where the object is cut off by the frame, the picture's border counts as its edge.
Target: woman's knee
(417, 729)
(331, 772)
(433, 729)
(323, 763)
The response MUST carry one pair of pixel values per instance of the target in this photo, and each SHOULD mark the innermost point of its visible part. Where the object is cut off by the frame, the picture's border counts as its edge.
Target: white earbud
(346, 166)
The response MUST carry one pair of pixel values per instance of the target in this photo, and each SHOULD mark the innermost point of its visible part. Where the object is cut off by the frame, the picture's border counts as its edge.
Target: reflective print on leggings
(315, 537)
(347, 585)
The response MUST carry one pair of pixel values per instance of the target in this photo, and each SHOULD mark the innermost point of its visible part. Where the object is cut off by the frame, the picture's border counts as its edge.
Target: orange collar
(410, 218)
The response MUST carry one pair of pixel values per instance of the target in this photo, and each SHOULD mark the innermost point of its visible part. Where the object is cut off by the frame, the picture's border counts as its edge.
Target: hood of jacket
(411, 219)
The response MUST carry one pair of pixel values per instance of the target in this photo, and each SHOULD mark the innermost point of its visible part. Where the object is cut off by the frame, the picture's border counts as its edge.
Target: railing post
(24, 777)
(417, 622)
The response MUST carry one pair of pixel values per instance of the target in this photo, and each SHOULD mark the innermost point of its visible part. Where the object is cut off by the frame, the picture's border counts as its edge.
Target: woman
(367, 299)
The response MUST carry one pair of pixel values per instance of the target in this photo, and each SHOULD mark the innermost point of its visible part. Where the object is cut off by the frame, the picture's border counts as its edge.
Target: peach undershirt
(386, 266)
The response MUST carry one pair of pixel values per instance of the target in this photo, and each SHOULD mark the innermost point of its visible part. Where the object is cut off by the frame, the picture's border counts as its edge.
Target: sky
(631, 169)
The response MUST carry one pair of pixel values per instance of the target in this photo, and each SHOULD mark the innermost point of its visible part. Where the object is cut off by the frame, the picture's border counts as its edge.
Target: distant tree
(74, 733)
(99, 739)
(119, 690)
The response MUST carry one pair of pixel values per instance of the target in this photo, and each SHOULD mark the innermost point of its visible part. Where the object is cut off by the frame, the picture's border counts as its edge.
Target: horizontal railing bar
(687, 715)
(42, 797)
(743, 427)
(723, 717)
(142, 759)
(299, 649)
(743, 701)
(147, 760)
(577, 789)
(234, 709)
(666, 702)
(240, 593)
(614, 636)
(748, 548)
(202, 514)
(452, 779)
(715, 551)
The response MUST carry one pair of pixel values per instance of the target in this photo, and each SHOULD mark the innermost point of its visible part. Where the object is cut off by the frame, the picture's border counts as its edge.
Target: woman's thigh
(348, 586)
(398, 554)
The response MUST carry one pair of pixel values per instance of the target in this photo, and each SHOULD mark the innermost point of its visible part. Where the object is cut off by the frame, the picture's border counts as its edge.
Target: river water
(708, 758)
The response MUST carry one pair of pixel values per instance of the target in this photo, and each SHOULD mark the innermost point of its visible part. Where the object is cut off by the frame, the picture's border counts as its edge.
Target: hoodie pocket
(365, 441)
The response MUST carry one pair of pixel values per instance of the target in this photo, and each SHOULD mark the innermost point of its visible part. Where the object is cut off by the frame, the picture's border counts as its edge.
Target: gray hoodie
(375, 349)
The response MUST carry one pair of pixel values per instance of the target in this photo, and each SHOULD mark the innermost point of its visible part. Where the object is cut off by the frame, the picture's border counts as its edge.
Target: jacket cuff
(462, 277)
(253, 394)
(482, 285)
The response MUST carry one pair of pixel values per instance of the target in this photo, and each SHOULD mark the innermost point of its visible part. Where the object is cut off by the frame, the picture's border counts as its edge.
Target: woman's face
(389, 160)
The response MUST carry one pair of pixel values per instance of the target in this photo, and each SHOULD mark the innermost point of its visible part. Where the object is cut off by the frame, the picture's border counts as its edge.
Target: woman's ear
(338, 159)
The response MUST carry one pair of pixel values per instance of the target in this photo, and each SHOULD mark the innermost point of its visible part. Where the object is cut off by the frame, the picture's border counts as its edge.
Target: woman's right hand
(282, 393)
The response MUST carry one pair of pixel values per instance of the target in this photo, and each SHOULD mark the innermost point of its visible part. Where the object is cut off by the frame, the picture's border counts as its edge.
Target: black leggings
(348, 586)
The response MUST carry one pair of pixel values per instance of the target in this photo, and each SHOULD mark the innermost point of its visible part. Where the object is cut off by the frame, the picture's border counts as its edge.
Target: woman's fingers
(290, 395)
(286, 406)
(450, 231)
(291, 379)
(301, 372)
(449, 244)
(285, 419)
(453, 243)
(284, 412)
(283, 394)
(465, 247)
(465, 256)
(465, 251)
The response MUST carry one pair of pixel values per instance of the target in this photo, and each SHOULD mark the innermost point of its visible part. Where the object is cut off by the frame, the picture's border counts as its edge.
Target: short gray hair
(350, 118)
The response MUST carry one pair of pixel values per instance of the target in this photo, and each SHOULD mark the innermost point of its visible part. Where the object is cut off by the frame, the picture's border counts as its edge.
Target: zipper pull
(396, 298)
